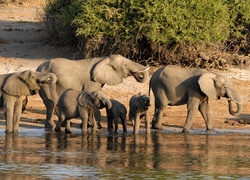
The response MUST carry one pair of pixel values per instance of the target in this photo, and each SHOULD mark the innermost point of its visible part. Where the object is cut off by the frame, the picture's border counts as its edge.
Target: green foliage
(58, 17)
(239, 15)
(146, 28)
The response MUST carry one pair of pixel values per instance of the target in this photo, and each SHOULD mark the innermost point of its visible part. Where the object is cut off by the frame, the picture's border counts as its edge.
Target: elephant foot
(57, 129)
(210, 131)
(8, 131)
(186, 131)
(64, 123)
(99, 126)
(15, 131)
(68, 131)
(157, 126)
(110, 130)
(50, 125)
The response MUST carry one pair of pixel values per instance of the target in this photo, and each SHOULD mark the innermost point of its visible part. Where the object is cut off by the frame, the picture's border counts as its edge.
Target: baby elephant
(117, 111)
(74, 104)
(138, 108)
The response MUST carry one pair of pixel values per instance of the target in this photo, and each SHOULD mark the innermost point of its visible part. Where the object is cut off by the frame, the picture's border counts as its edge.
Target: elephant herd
(71, 88)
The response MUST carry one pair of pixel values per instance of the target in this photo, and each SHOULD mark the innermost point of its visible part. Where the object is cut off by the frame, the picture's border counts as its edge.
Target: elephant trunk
(107, 103)
(141, 75)
(231, 111)
(49, 78)
(233, 96)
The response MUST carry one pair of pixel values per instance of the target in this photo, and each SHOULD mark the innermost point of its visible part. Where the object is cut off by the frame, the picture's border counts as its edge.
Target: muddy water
(37, 154)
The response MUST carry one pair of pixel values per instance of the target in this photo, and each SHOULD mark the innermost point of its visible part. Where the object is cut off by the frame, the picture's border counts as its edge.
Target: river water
(38, 154)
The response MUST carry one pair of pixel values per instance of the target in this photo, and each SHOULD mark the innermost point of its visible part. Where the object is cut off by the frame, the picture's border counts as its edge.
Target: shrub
(146, 29)
(58, 17)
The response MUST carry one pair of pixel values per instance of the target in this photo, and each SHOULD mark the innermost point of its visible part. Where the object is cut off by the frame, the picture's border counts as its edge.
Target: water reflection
(32, 154)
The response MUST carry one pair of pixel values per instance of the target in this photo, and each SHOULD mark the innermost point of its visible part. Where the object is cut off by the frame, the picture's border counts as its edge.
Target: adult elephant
(173, 85)
(88, 74)
(15, 87)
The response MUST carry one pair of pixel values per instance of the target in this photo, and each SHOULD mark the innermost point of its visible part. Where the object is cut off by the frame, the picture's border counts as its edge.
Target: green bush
(144, 29)
(59, 15)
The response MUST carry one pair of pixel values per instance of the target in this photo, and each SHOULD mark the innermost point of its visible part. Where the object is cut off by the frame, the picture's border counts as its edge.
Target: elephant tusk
(229, 99)
(140, 72)
(48, 80)
(146, 69)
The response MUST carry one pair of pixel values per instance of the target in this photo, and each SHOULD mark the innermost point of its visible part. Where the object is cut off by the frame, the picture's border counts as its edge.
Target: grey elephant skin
(138, 108)
(173, 86)
(15, 87)
(87, 75)
(73, 104)
(118, 111)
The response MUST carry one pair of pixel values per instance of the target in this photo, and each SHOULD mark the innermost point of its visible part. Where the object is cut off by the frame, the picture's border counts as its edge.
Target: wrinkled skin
(138, 108)
(175, 86)
(74, 104)
(118, 111)
(15, 87)
(87, 75)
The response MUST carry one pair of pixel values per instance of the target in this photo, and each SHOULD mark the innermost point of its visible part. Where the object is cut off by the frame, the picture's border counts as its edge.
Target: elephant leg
(17, 114)
(124, 126)
(99, 126)
(157, 119)
(137, 123)
(116, 124)
(67, 127)
(94, 123)
(85, 118)
(161, 101)
(50, 107)
(192, 108)
(98, 115)
(9, 104)
(110, 123)
(61, 119)
(9, 119)
(132, 121)
(147, 122)
(204, 110)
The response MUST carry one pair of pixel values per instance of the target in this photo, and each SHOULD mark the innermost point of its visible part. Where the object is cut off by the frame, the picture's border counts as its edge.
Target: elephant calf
(15, 87)
(73, 104)
(138, 108)
(117, 111)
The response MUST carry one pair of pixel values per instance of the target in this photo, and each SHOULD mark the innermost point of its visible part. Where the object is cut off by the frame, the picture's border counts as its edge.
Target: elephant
(15, 87)
(88, 75)
(173, 85)
(117, 111)
(73, 104)
(138, 108)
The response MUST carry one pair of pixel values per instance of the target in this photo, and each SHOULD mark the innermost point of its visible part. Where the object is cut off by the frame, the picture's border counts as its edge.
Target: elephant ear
(107, 71)
(15, 86)
(207, 85)
(85, 100)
